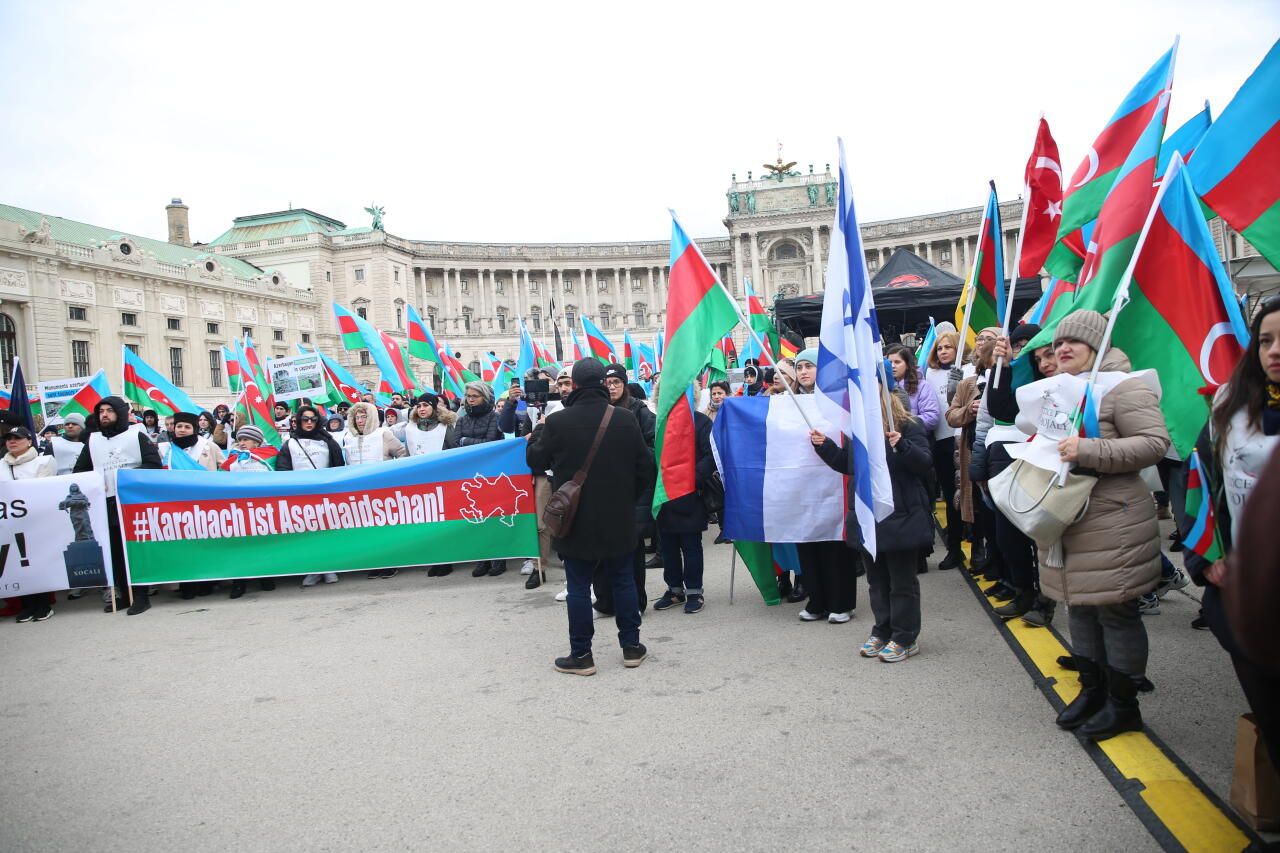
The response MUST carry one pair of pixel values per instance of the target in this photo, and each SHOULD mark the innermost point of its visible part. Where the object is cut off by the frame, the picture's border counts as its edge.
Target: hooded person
(514, 418)
(22, 461)
(615, 385)
(366, 442)
(114, 444)
(186, 439)
(396, 420)
(336, 423)
(310, 447)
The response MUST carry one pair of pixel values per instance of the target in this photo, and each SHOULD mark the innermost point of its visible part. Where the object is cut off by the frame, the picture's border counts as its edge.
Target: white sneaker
(563, 595)
(330, 577)
(526, 568)
(806, 616)
(839, 618)
(311, 580)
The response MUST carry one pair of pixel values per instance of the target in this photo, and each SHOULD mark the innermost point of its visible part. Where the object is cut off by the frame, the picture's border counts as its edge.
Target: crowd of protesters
(949, 426)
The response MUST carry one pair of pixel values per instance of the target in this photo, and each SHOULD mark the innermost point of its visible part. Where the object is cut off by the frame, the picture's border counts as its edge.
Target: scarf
(27, 456)
(185, 441)
(265, 454)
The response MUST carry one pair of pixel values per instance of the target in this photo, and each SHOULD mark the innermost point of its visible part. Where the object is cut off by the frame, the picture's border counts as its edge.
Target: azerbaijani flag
(235, 382)
(986, 278)
(1203, 538)
(598, 345)
(422, 343)
(658, 338)
(1088, 188)
(347, 386)
(1185, 139)
(252, 367)
(1236, 170)
(349, 328)
(629, 353)
(87, 398)
(146, 387)
(527, 356)
(758, 320)
(253, 404)
(266, 454)
(398, 375)
(578, 352)
(699, 313)
(1182, 319)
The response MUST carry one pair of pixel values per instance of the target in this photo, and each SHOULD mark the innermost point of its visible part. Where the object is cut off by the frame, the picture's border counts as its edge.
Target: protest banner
(296, 377)
(53, 534)
(472, 503)
(54, 394)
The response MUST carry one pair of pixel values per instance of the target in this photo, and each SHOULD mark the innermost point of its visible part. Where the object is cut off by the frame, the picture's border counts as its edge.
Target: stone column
(737, 267)
(816, 275)
(449, 312)
(662, 296)
(756, 281)
(649, 307)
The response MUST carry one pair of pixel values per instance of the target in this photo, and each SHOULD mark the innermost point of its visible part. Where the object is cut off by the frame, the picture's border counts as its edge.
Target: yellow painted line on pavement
(1194, 820)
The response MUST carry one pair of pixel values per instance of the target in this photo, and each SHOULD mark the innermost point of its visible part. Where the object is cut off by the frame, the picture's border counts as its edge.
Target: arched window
(784, 251)
(8, 347)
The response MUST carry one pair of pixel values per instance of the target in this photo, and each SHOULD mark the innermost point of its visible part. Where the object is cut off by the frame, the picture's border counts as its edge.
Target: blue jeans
(682, 561)
(626, 605)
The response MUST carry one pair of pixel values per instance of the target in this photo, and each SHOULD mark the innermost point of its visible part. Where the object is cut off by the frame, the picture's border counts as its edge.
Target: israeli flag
(848, 357)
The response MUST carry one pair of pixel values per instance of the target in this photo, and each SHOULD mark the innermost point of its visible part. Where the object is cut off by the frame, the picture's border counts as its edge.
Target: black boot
(481, 569)
(784, 585)
(1120, 712)
(238, 588)
(1022, 604)
(953, 560)
(1093, 695)
(798, 593)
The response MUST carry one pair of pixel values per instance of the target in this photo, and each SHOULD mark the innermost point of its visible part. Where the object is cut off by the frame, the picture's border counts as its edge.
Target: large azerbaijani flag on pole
(1089, 186)
(87, 398)
(145, 386)
(1236, 168)
(986, 279)
(473, 503)
(699, 313)
(597, 344)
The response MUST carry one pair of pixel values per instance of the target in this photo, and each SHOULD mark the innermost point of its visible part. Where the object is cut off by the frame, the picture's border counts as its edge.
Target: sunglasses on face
(307, 418)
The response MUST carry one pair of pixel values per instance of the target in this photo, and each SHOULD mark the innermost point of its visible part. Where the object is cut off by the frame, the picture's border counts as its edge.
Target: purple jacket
(924, 403)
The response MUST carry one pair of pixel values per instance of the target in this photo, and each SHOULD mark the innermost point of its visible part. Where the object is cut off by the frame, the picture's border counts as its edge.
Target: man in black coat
(604, 530)
(110, 444)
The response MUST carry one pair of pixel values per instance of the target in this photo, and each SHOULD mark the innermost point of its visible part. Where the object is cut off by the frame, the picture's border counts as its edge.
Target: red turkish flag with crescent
(1043, 201)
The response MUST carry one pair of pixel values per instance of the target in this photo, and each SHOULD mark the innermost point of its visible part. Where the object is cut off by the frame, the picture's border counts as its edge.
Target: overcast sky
(542, 122)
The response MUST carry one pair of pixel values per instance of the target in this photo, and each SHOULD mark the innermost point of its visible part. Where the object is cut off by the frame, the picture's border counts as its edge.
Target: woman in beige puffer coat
(1113, 552)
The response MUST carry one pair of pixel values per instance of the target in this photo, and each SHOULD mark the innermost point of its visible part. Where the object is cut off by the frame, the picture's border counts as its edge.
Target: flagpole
(964, 326)
(743, 320)
(1121, 299)
(1013, 282)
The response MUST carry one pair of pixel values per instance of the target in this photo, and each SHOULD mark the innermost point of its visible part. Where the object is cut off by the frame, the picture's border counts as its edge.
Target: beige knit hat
(1084, 326)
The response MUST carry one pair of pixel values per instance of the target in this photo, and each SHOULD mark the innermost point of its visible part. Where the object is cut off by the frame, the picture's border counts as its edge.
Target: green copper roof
(82, 234)
(283, 223)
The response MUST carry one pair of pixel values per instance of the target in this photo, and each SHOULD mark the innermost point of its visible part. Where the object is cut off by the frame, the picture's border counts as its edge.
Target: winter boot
(1093, 695)
(1120, 712)
(1022, 604)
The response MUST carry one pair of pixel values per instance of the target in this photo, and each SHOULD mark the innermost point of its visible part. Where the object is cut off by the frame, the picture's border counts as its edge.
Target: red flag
(1044, 203)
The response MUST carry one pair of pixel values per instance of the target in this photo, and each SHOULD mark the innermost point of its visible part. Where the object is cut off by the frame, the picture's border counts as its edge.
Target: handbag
(713, 494)
(1033, 501)
(562, 506)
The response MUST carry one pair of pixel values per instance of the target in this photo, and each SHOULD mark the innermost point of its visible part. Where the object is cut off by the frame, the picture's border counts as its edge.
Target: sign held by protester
(296, 377)
(53, 534)
(472, 503)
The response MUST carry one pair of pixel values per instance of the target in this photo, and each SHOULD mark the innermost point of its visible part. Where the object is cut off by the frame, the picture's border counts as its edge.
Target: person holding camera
(603, 537)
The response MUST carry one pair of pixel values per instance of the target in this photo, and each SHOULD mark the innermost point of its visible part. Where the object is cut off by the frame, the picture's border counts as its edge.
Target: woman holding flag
(939, 363)
(1112, 554)
(1230, 455)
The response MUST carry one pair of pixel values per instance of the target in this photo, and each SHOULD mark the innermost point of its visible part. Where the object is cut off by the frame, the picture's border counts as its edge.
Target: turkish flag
(1043, 203)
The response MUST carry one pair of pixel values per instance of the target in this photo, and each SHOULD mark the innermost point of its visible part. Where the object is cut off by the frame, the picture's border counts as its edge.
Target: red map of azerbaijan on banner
(473, 503)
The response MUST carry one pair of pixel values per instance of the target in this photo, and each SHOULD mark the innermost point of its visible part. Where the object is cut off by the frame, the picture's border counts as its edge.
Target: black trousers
(602, 582)
(119, 576)
(830, 576)
(944, 468)
(1018, 555)
(1262, 691)
(894, 587)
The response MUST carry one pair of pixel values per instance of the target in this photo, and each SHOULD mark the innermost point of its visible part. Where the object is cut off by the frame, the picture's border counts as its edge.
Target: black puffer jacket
(909, 528)
(478, 428)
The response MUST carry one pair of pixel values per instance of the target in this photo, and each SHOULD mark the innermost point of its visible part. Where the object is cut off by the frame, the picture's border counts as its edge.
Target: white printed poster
(53, 534)
(55, 394)
(296, 377)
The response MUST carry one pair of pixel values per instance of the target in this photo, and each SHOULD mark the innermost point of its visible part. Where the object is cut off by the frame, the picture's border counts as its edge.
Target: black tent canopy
(908, 291)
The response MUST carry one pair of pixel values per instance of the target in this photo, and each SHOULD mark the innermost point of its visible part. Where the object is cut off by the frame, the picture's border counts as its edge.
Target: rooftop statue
(781, 170)
(376, 212)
